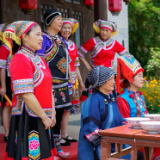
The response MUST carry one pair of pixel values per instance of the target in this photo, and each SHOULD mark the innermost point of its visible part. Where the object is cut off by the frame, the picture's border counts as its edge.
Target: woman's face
(138, 80)
(105, 33)
(34, 39)
(109, 85)
(66, 31)
(57, 24)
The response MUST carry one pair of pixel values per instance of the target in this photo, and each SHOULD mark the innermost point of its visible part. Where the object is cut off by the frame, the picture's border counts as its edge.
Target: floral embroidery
(34, 146)
(63, 96)
(62, 65)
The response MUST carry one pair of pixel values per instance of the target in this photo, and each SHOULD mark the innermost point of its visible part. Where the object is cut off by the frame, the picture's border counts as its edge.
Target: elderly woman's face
(57, 24)
(109, 85)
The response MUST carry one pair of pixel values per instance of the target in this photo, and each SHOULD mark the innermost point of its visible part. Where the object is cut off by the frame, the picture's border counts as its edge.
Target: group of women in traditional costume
(43, 71)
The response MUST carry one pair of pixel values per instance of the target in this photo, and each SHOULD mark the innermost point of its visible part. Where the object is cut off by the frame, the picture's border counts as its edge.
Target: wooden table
(127, 135)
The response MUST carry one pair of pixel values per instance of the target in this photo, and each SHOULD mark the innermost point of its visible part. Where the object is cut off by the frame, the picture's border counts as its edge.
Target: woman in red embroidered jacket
(5, 79)
(131, 102)
(69, 27)
(33, 108)
(102, 48)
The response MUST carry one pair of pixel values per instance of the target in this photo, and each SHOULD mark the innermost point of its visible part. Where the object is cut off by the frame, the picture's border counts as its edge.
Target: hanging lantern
(28, 6)
(115, 6)
(88, 2)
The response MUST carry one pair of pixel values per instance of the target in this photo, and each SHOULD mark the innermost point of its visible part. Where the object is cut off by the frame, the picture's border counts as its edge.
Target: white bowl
(135, 121)
(153, 117)
(152, 127)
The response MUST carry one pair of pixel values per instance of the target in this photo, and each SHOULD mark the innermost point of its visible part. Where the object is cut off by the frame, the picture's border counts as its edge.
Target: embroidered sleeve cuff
(123, 52)
(77, 63)
(3, 64)
(23, 86)
(92, 136)
(82, 52)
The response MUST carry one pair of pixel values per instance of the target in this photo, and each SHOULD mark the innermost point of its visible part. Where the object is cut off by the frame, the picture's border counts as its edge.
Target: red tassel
(131, 95)
(140, 93)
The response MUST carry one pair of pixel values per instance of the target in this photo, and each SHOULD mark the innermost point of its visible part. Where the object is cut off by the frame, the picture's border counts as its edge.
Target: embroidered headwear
(99, 75)
(49, 16)
(74, 23)
(127, 67)
(2, 29)
(105, 24)
(15, 31)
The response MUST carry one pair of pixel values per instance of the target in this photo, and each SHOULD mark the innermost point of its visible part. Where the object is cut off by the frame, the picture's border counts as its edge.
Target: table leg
(148, 153)
(105, 150)
(134, 152)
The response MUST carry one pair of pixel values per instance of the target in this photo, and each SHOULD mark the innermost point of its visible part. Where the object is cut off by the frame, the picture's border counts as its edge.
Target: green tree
(153, 65)
(144, 28)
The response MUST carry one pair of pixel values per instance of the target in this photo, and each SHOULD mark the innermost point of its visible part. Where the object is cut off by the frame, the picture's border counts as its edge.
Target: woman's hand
(53, 118)
(82, 86)
(47, 122)
(3, 91)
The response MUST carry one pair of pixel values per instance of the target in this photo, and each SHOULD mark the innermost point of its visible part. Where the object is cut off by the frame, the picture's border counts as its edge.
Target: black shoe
(5, 138)
(64, 142)
(69, 140)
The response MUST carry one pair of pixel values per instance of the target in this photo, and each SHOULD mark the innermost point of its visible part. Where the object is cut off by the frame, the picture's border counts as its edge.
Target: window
(75, 1)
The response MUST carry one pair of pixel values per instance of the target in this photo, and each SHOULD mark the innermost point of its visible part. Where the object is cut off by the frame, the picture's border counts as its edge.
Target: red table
(127, 135)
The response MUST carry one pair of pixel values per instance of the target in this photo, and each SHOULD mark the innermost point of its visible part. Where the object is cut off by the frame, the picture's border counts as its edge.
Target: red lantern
(115, 6)
(88, 2)
(28, 6)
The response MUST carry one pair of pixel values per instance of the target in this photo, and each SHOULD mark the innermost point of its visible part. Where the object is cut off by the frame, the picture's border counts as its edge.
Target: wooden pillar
(100, 9)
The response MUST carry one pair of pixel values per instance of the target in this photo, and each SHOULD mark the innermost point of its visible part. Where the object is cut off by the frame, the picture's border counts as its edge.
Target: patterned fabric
(23, 86)
(5, 58)
(127, 67)
(131, 104)
(3, 64)
(72, 22)
(29, 74)
(34, 146)
(15, 31)
(102, 52)
(2, 29)
(77, 63)
(75, 99)
(92, 136)
(62, 65)
(99, 75)
(105, 24)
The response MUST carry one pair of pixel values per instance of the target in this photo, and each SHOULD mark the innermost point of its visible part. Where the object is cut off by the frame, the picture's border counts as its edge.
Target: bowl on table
(135, 121)
(152, 127)
(153, 117)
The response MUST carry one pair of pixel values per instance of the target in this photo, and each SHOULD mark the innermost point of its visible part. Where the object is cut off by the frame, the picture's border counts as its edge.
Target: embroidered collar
(50, 35)
(132, 92)
(28, 50)
(104, 40)
(107, 42)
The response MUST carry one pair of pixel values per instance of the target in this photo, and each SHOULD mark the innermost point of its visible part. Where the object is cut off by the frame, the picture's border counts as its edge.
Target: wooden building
(10, 11)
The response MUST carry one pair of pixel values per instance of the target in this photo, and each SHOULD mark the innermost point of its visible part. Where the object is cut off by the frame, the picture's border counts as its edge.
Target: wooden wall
(10, 11)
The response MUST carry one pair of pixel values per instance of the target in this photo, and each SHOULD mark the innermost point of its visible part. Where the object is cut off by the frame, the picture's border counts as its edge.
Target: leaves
(144, 30)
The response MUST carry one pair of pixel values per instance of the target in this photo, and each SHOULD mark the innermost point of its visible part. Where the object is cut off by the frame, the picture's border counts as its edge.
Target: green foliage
(153, 65)
(144, 29)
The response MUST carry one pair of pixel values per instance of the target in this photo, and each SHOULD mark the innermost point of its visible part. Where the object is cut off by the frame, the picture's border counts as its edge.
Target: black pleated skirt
(28, 139)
